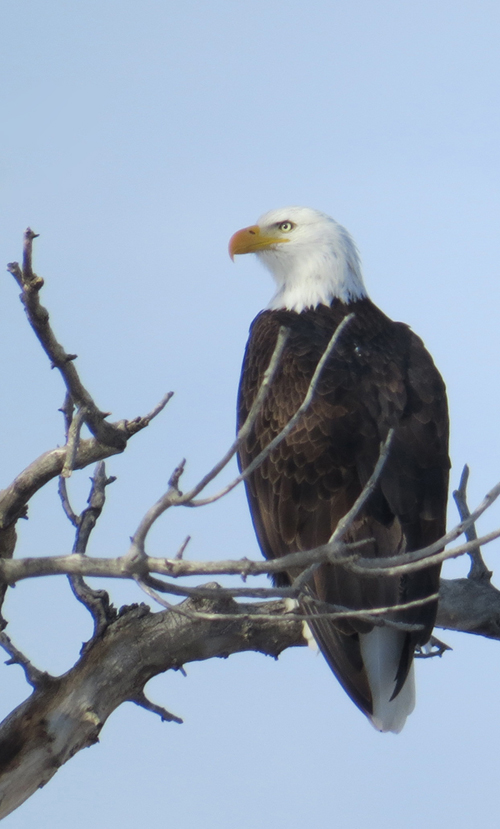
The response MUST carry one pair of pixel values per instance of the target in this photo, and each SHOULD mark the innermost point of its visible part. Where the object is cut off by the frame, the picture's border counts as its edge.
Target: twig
(478, 569)
(173, 498)
(206, 593)
(29, 235)
(187, 499)
(96, 499)
(347, 520)
(298, 617)
(409, 562)
(180, 552)
(134, 426)
(96, 601)
(142, 700)
(67, 408)
(419, 560)
(173, 481)
(321, 609)
(14, 498)
(373, 614)
(72, 442)
(249, 423)
(34, 676)
(66, 505)
(269, 374)
(173, 495)
(146, 588)
(38, 317)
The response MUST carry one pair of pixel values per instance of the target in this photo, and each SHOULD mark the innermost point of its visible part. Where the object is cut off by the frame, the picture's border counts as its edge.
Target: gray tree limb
(65, 714)
(14, 498)
(470, 606)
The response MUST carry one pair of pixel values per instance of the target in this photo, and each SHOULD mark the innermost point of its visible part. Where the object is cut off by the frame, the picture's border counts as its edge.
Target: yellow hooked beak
(252, 239)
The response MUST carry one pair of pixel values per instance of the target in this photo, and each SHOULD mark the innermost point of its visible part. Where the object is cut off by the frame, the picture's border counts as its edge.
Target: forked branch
(38, 317)
(108, 438)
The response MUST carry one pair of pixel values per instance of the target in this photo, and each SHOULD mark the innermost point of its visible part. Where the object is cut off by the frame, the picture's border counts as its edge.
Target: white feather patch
(381, 652)
(309, 637)
(292, 604)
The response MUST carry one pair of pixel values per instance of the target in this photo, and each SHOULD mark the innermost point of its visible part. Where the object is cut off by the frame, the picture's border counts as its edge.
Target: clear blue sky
(135, 138)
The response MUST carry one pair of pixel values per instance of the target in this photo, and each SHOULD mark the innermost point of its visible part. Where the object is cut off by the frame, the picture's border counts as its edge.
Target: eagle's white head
(312, 258)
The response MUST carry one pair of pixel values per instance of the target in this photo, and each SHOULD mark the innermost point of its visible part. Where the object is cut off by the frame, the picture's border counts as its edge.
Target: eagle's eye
(286, 227)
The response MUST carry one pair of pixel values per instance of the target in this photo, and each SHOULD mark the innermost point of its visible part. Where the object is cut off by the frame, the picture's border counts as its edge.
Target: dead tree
(128, 647)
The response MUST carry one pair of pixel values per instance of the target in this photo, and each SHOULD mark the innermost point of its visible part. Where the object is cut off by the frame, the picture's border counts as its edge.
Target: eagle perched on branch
(378, 377)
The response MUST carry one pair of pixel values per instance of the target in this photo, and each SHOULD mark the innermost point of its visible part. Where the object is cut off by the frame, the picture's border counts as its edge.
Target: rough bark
(469, 605)
(66, 714)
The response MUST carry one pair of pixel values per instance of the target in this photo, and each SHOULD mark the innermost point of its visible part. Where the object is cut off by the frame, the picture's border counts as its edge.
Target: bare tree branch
(88, 519)
(188, 498)
(173, 497)
(34, 676)
(173, 494)
(58, 720)
(470, 606)
(324, 610)
(14, 570)
(72, 442)
(67, 409)
(96, 601)
(68, 714)
(478, 569)
(14, 498)
(420, 559)
(65, 502)
(142, 700)
(38, 317)
(109, 438)
(348, 519)
(409, 562)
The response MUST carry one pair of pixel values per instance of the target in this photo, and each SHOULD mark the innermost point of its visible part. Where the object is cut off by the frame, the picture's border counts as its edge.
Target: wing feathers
(379, 377)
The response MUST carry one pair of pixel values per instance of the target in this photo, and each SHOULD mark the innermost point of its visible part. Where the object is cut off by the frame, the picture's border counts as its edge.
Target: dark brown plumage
(379, 376)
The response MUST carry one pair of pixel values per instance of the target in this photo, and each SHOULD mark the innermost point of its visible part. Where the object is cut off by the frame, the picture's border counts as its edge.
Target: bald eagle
(378, 377)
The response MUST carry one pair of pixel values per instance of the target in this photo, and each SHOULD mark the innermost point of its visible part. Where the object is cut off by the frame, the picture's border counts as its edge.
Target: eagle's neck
(315, 275)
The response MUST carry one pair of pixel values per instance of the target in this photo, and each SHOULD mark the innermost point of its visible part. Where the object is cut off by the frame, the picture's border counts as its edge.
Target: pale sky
(136, 138)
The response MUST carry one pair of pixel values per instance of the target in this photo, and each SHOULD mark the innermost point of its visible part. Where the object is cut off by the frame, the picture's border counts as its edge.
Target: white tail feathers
(381, 652)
